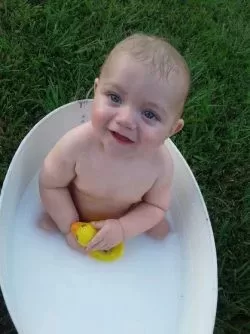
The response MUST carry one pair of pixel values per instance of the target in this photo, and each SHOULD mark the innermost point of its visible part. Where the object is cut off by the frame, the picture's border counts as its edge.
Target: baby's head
(141, 92)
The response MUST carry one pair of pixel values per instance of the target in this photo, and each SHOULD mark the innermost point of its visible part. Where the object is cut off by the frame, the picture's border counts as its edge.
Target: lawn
(50, 53)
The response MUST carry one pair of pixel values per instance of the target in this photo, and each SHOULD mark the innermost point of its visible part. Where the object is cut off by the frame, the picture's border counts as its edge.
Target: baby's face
(134, 110)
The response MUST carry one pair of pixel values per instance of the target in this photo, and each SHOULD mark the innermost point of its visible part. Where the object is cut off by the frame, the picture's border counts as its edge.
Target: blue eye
(150, 115)
(115, 98)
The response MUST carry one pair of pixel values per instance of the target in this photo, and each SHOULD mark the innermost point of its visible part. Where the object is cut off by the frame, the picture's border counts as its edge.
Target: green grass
(51, 53)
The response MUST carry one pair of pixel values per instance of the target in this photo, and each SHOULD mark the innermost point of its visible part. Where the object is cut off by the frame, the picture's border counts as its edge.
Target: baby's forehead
(165, 66)
(171, 77)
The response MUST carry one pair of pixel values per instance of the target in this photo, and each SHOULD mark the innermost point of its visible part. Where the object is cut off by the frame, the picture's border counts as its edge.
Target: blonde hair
(154, 51)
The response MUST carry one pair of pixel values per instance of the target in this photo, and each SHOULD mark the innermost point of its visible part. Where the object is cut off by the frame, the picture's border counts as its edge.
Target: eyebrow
(115, 87)
(156, 106)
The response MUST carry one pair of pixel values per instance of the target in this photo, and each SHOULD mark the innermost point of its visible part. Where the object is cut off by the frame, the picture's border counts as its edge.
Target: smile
(120, 138)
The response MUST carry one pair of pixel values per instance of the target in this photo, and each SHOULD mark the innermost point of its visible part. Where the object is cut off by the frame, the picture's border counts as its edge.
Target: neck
(128, 157)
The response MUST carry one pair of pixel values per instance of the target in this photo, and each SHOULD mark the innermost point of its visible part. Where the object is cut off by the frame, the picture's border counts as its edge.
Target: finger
(105, 248)
(104, 245)
(98, 225)
(95, 241)
(100, 246)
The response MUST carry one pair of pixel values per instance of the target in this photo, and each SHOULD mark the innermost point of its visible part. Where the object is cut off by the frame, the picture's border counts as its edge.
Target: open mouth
(120, 138)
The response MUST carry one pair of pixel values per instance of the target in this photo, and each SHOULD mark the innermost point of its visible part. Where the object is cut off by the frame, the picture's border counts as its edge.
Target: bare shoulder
(78, 137)
(75, 141)
(58, 167)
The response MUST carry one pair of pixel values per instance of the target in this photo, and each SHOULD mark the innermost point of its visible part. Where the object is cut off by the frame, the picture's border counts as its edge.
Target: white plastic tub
(167, 287)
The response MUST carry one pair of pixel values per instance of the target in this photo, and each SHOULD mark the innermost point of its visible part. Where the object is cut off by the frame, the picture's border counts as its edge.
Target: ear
(96, 84)
(178, 126)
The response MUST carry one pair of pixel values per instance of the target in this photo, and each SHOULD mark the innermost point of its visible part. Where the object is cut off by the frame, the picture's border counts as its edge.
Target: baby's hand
(110, 234)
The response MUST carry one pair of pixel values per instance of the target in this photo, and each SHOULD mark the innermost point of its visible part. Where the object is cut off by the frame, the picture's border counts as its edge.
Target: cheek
(153, 137)
(100, 114)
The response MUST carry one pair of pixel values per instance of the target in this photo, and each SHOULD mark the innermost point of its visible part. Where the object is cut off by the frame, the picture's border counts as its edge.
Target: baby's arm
(57, 172)
(151, 211)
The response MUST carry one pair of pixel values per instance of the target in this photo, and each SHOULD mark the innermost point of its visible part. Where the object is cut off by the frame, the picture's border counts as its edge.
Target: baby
(115, 170)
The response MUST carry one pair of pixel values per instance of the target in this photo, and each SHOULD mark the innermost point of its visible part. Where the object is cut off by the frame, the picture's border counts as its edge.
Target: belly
(92, 208)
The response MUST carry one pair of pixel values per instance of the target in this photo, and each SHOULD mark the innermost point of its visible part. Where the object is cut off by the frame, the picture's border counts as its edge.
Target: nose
(126, 118)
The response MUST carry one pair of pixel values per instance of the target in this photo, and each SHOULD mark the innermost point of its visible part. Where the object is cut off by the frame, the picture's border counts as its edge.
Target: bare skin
(92, 199)
(115, 168)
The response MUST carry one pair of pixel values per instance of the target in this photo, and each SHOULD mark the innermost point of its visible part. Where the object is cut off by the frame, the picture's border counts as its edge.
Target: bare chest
(103, 179)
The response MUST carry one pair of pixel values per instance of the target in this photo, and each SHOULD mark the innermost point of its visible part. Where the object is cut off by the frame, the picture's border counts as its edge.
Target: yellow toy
(84, 232)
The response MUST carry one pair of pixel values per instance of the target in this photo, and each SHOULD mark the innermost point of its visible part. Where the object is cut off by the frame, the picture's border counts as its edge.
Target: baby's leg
(160, 231)
(47, 223)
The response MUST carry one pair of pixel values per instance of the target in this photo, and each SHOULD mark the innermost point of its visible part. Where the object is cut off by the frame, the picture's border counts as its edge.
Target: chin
(118, 150)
